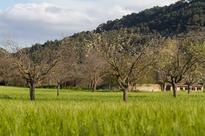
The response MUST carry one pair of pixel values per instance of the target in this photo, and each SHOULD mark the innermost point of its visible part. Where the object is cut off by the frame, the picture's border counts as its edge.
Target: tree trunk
(94, 83)
(109, 87)
(32, 91)
(75, 83)
(91, 84)
(94, 86)
(189, 89)
(125, 95)
(164, 87)
(58, 89)
(174, 89)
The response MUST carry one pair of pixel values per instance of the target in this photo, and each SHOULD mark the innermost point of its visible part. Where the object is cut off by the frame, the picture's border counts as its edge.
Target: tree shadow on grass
(6, 97)
(90, 98)
(74, 98)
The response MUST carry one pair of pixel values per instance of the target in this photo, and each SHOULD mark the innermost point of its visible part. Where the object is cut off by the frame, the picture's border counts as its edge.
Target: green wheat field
(83, 113)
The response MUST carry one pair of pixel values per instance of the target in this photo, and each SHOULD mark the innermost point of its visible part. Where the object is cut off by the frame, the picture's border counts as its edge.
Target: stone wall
(147, 87)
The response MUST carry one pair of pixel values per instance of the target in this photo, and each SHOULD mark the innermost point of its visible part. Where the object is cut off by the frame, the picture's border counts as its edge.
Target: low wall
(147, 87)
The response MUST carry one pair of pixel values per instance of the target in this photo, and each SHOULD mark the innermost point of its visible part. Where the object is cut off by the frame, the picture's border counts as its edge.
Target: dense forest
(180, 17)
(158, 45)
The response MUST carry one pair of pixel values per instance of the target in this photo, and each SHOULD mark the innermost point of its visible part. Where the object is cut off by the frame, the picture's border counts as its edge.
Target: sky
(36, 21)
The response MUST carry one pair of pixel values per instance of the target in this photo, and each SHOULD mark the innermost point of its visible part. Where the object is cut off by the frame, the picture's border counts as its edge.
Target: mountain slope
(180, 17)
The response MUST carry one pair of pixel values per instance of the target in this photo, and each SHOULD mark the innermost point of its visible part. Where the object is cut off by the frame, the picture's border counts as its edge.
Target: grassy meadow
(83, 113)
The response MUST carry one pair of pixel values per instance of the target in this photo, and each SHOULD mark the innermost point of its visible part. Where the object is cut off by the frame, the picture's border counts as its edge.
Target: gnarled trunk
(174, 86)
(32, 91)
(94, 86)
(125, 89)
(58, 89)
(94, 83)
(125, 95)
(189, 89)
(164, 87)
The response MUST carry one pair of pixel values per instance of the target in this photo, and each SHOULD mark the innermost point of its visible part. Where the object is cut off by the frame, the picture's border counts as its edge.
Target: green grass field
(81, 113)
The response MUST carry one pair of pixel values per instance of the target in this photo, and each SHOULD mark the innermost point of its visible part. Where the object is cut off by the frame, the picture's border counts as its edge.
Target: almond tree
(180, 58)
(162, 79)
(66, 65)
(7, 70)
(95, 68)
(34, 65)
(192, 77)
(129, 55)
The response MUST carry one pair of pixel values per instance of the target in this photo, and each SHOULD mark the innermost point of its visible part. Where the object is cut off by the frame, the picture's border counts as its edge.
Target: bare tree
(193, 76)
(7, 70)
(64, 69)
(180, 58)
(129, 56)
(33, 65)
(95, 68)
(162, 79)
